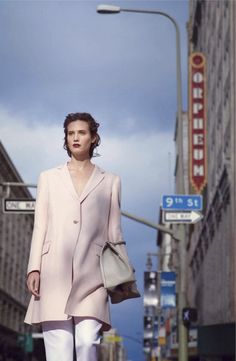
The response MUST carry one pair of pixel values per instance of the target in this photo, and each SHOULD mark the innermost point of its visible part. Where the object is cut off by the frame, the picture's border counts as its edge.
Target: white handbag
(117, 273)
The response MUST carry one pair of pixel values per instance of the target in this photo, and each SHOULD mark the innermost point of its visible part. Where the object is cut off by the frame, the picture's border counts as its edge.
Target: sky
(60, 57)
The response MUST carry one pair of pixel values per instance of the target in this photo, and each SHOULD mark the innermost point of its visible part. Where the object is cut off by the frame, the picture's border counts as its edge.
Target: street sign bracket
(8, 185)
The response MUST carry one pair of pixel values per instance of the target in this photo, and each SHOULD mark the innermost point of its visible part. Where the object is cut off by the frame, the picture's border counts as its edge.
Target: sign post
(18, 205)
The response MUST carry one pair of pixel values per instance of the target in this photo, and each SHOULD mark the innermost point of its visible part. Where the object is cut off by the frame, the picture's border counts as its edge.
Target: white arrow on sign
(182, 216)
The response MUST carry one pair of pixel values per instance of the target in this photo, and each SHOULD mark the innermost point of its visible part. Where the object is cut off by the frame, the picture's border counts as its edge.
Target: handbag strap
(115, 243)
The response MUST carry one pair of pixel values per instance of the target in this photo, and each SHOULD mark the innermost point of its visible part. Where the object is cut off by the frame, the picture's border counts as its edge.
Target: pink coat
(69, 232)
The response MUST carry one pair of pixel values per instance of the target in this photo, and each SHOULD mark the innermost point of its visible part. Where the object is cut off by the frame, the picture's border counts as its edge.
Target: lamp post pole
(158, 312)
(182, 331)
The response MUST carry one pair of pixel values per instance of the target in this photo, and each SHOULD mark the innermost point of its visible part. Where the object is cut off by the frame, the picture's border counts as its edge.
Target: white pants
(60, 338)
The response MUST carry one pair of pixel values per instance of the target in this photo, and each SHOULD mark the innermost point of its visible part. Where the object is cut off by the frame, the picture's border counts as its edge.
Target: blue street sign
(183, 202)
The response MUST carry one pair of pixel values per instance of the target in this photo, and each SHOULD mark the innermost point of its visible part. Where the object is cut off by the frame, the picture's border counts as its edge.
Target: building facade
(15, 238)
(212, 242)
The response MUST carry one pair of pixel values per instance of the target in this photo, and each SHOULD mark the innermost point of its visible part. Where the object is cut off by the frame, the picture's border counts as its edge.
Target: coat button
(75, 222)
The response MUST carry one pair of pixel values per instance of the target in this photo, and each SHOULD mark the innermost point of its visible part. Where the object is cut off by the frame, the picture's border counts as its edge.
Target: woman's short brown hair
(93, 128)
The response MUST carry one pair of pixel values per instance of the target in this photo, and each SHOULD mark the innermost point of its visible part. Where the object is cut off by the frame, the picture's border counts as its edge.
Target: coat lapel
(66, 179)
(95, 178)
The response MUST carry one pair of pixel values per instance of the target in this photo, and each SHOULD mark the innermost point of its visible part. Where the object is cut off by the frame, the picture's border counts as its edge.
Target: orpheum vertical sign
(197, 121)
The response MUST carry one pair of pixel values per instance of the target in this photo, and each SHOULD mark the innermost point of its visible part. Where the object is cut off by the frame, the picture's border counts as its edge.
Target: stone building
(211, 246)
(15, 238)
(211, 243)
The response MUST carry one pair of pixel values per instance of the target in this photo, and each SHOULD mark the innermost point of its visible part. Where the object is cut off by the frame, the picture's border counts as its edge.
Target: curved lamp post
(111, 9)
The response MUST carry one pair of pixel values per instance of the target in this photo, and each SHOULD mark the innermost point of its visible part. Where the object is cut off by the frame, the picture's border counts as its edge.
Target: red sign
(197, 121)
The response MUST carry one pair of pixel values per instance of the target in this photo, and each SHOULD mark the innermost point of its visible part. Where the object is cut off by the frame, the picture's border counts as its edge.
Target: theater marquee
(197, 121)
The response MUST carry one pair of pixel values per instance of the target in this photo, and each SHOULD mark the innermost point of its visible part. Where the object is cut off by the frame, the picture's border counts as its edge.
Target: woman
(77, 210)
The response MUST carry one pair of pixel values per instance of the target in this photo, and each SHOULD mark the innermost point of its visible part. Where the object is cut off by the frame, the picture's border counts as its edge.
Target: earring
(95, 152)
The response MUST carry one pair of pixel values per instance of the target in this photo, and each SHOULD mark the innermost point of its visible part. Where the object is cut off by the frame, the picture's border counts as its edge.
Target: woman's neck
(78, 164)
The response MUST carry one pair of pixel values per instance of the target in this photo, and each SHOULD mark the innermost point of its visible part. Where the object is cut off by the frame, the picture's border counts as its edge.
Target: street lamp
(112, 9)
(158, 311)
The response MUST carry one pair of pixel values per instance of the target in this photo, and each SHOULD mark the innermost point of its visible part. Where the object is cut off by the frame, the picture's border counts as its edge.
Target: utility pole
(112, 9)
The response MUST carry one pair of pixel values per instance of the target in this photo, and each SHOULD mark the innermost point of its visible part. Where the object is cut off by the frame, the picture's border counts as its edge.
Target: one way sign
(18, 205)
(181, 216)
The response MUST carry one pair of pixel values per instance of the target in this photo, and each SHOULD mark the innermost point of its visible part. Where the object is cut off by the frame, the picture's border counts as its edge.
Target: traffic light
(150, 289)
(147, 344)
(148, 327)
(28, 343)
(21, 341)
(189, 315)
(25, 342)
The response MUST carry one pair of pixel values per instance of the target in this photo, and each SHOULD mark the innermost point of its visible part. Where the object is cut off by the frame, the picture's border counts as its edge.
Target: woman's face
(79, 139)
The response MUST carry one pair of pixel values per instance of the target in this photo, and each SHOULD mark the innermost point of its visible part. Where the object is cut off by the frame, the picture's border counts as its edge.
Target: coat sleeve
(114, 226)
(40, 224)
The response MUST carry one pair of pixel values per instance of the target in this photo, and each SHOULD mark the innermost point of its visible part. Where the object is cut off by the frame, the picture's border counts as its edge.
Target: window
(226, 8)
(226, 90)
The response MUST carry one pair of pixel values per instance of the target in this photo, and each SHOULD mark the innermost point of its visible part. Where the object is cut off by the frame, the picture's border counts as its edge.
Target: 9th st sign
(184, 202)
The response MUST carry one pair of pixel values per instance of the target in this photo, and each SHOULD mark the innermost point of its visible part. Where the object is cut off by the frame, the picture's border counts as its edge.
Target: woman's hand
(127, 287)
(33, 281)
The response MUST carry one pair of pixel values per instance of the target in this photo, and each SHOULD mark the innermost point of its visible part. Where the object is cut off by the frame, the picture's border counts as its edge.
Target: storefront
(217, 342)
